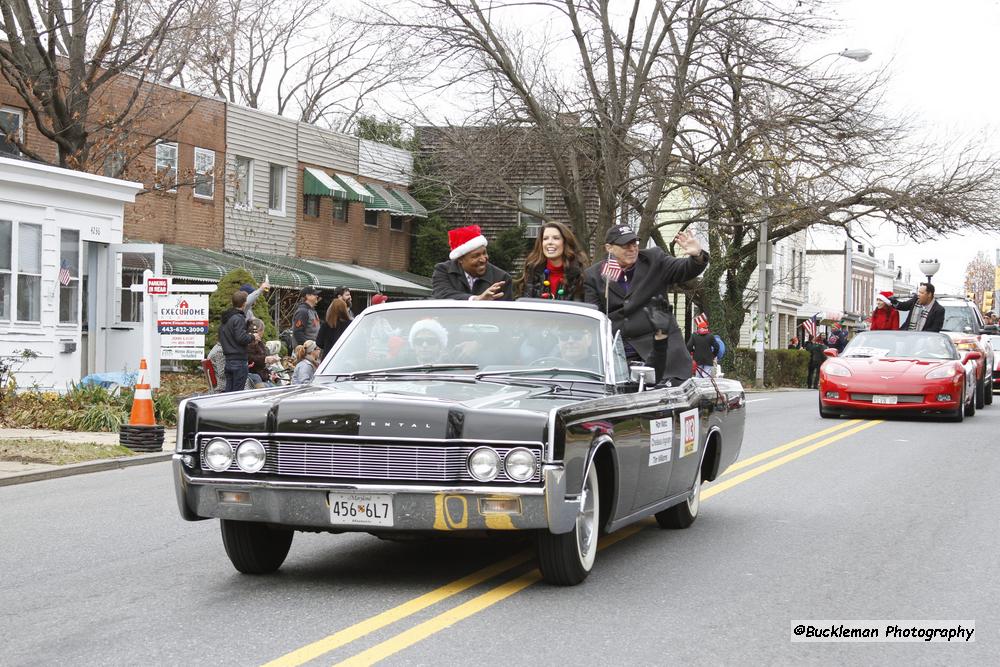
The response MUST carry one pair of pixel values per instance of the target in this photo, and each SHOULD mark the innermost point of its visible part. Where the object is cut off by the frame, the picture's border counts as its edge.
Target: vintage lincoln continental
(436, 416)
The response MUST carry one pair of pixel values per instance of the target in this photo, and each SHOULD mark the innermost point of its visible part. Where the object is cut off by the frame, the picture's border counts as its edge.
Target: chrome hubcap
(695, 498)
(586, 523)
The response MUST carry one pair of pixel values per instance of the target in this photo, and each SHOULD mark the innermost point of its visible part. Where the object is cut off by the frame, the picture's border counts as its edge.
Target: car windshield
(959, 318)
(901, 344)
(483, 342)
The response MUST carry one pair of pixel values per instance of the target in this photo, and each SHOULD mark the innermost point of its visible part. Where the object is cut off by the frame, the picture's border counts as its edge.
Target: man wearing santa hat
(468, 274)
(885, 317)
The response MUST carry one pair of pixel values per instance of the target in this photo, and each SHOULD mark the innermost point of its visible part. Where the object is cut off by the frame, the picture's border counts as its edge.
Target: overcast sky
(944, 62)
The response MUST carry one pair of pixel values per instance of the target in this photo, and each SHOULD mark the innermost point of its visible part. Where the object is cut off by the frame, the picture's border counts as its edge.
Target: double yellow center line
(489, 598)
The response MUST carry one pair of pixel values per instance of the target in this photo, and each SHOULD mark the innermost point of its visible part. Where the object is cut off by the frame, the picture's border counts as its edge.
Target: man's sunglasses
(566, 336)
(424, 341)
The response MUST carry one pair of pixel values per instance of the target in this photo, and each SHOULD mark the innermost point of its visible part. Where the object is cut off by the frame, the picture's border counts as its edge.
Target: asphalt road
(869, 520)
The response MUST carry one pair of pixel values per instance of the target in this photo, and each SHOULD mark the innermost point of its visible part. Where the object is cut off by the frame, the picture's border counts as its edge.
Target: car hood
(411, 409)
(898, 368)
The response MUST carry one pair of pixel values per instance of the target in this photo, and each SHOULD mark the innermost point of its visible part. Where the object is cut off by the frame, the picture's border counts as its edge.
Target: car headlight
(519, 464)
(219, 454)
(484, 464)
(837, 370)
(250, 455)
(941, 372)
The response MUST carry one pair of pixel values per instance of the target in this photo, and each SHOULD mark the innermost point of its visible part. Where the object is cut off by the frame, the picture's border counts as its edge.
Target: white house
(60, 231)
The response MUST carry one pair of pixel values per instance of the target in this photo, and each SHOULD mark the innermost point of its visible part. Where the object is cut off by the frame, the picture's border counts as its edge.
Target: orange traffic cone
(142, 401)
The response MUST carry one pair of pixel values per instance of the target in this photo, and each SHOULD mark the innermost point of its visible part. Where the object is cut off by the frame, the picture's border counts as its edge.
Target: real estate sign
(182, 322)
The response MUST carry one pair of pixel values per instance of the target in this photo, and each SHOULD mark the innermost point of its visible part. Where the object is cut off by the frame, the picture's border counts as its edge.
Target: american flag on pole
(701, 320)
(809, 326)
(64, 274)
(612, 269)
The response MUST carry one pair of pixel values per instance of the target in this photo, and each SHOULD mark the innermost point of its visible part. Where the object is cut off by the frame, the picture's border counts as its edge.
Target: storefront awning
(384, 201)
(318, 275)
(411, 205)
(356, 191)
(190, 264)
(318, 182)
(393, 283)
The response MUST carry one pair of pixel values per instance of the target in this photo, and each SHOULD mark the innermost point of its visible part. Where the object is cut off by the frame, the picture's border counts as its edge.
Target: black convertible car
(458, 416)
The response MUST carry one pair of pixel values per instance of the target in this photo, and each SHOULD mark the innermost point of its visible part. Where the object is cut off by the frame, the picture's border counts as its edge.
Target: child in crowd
(307, 358)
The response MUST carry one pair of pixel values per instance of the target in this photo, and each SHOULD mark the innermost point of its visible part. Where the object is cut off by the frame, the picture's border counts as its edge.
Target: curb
(82, 468)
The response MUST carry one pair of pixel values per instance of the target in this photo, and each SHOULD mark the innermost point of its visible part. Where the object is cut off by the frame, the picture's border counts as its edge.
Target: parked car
(893, 372)
(995, 343)
(965, 324)
(438, 416)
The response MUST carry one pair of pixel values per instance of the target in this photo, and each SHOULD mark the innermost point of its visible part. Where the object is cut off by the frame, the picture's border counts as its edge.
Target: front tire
(959, 414)
(682, 514)
(988, 389)
(255, 548)
(567, 559)
(980, 393)
(824, 413)
(970, 407)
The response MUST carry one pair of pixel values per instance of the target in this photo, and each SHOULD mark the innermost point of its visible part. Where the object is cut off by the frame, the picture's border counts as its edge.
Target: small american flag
(64, 274)
(809, 327)
(612, 269)
(701, 320)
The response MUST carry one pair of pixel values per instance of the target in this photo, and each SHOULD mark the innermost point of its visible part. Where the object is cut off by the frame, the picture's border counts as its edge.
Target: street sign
(157, 286)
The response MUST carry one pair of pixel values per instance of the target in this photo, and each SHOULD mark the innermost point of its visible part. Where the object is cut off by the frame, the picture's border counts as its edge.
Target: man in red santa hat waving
(468, 274)
(885, 316)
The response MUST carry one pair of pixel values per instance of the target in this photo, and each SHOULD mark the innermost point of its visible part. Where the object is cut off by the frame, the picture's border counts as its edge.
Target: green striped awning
(318, 275)
(355, 191)
(318, 182)
(411, 205)
(384, 201)
(203, 265)
(393, 283)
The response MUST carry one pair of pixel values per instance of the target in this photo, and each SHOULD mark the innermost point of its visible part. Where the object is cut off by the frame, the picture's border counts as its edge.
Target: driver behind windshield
(574, 348)
(428, 341)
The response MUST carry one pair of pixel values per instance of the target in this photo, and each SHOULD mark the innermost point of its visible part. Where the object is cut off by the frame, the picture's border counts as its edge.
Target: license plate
(360, 509)
(884, 400)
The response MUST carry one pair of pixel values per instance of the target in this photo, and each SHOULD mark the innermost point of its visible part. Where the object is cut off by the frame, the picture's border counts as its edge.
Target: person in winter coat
(234, 339)
(468, 274)
(306, 361)
(817, 356)
(631, 295)
(837, 338)
(884, 317)
(338, 317)
(554, 267)
(305, 321)
(704, 349)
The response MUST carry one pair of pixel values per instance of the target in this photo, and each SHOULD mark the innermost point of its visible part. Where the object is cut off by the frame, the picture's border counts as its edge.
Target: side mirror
(644, 375)
(972, 355)
(830, 351)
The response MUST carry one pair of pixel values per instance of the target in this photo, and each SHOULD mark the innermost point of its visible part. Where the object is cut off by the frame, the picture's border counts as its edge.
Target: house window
(11, 126)
(533, 199)
(276, 190)
(166, 166)
(371, 218)
(396, 223)
(204, 173)
(244, 182)
(6, 248)
(340, 210)
(310, 206)
(69, 276)
(29, 272)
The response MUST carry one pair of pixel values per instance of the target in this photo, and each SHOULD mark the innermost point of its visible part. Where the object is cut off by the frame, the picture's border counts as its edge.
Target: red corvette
(899, 372)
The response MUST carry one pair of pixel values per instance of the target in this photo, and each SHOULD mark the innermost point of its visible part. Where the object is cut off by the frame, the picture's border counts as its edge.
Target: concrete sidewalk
(12, 472)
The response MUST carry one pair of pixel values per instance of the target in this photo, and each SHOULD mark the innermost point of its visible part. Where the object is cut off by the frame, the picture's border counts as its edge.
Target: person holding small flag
(629, 287)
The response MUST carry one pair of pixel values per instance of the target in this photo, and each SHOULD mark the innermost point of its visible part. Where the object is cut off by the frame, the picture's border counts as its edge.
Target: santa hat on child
(464, 240)
(884, 297)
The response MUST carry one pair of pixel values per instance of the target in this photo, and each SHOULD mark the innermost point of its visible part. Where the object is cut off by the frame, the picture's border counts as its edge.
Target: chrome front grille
(370, 461)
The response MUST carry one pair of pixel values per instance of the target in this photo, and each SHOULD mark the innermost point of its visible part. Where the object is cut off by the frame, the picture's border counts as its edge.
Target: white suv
(965, 325)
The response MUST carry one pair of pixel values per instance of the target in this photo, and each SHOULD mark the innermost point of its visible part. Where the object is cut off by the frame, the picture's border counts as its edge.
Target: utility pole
(763, 295)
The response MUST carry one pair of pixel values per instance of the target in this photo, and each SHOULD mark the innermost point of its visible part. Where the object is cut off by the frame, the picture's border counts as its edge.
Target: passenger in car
(428, 341)
(554, 267)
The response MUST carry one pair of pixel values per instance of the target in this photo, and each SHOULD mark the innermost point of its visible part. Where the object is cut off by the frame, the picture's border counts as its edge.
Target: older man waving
(629, 287)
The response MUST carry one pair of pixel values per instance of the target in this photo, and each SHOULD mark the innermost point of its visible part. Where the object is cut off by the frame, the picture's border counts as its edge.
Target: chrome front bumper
(415, 508)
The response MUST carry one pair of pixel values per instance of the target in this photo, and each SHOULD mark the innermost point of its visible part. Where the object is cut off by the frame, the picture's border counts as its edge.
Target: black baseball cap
(306, 291)
(620, 235)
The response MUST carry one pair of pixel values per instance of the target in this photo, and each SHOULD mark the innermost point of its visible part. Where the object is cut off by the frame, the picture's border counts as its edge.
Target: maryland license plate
(360, 509)
(883, 400)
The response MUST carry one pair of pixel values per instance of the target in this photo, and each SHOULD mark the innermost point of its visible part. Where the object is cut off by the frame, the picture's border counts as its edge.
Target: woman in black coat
(554, 267)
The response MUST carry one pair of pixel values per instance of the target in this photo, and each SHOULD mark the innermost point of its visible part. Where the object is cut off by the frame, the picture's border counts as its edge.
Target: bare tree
(979, 276)
(300, 59)
(83, 71)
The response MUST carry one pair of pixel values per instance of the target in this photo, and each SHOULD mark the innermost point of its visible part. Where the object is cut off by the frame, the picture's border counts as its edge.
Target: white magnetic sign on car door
(689, 432)
(661, 440)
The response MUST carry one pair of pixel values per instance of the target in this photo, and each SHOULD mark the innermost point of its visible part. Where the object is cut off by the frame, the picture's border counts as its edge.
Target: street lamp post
(929, 267)
(763, 288)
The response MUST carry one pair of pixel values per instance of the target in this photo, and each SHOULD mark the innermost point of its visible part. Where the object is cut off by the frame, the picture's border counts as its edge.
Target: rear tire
(255, 548)
(567, 559)
(684, 513)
